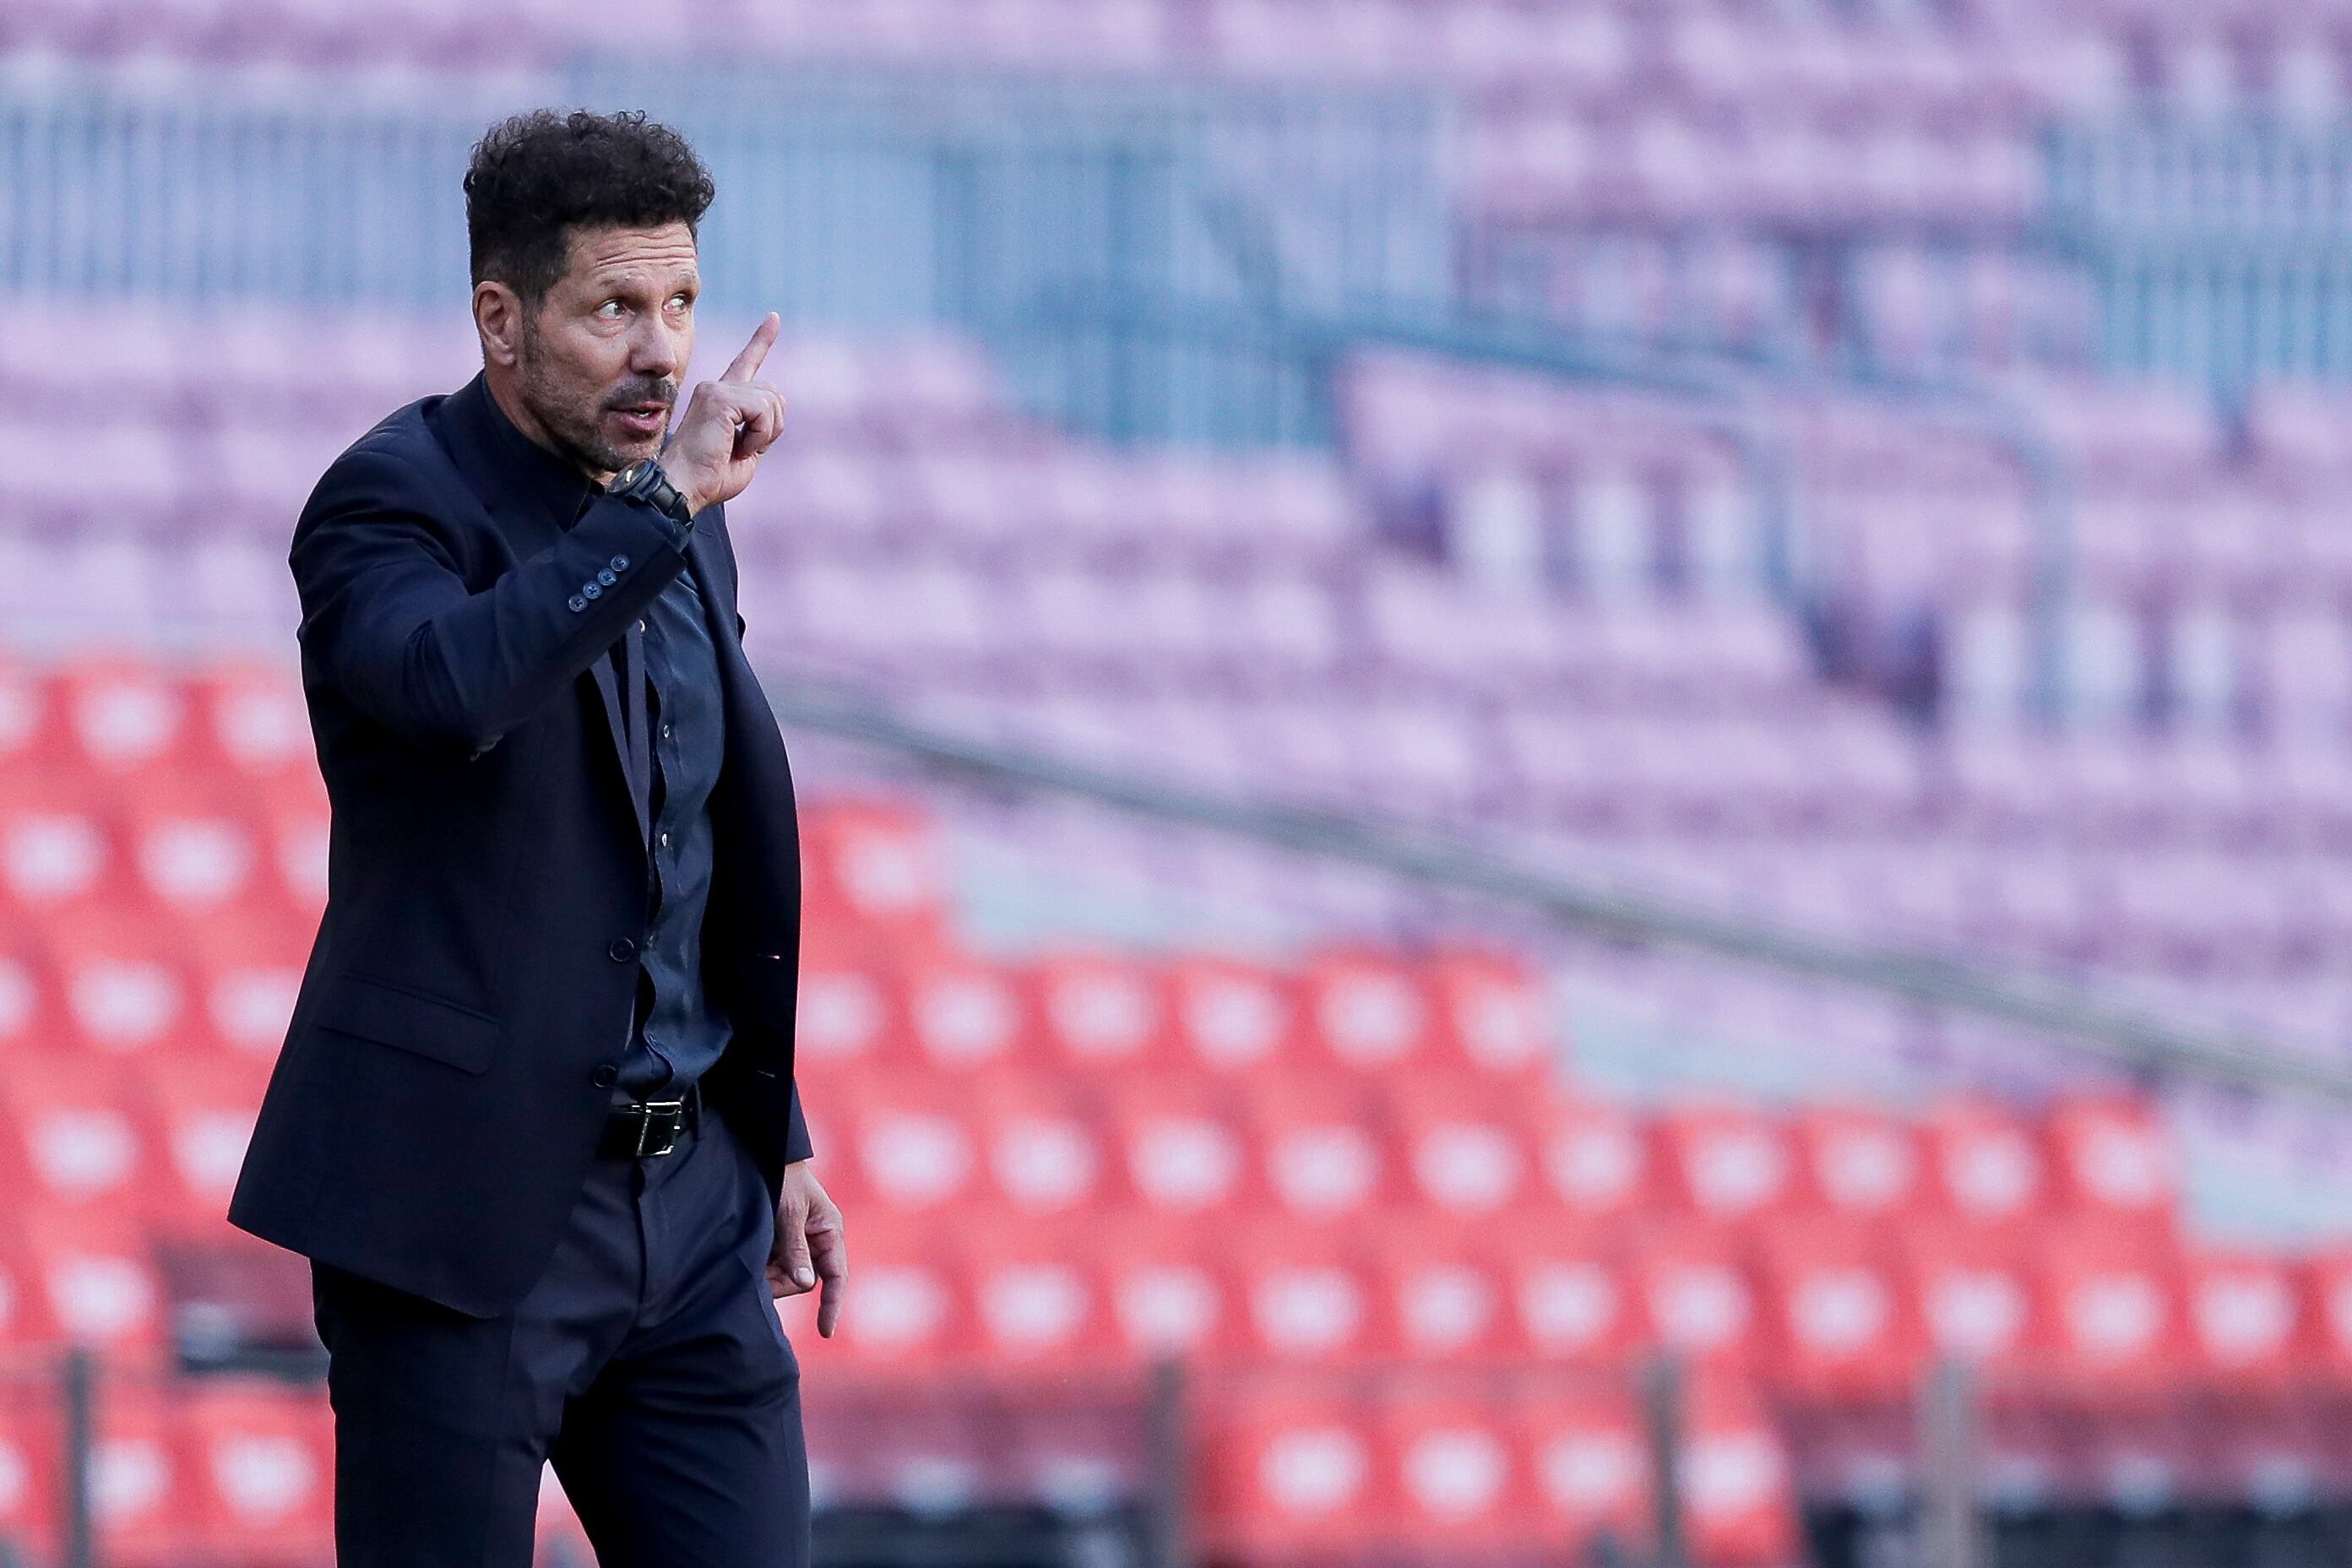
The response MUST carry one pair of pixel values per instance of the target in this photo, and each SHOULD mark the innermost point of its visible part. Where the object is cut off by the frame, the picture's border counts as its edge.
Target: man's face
(598, 362)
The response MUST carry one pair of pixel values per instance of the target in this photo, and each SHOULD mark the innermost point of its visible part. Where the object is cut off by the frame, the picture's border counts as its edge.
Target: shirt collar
(559, 489)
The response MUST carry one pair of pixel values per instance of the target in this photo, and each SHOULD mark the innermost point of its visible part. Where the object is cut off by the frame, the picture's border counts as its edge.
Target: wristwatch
(645, 482)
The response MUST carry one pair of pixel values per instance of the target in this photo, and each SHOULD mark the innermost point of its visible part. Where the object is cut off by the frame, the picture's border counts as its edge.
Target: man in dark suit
(535, 1123)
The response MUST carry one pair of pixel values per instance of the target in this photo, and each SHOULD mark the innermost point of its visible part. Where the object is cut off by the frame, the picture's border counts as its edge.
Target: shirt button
(665, 839)
(622, 950)
(641, 626)
(665, 732)
(605, 1075)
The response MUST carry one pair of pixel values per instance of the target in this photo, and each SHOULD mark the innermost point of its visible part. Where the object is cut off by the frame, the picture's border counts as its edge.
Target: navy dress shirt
(679, 1033)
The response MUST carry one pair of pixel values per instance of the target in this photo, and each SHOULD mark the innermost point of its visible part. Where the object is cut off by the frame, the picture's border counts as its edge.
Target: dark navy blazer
(472, 987)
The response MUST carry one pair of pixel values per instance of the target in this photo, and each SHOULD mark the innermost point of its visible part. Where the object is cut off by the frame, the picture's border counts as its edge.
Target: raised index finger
(746, 365)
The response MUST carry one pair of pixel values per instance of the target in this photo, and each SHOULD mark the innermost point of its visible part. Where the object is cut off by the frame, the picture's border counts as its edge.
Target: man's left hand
(810, 1246)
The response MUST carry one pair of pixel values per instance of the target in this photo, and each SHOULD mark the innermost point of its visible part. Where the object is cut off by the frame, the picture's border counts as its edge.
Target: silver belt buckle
(664, 1118)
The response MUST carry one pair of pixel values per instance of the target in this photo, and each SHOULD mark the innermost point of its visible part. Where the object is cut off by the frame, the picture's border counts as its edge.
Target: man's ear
(497, 317)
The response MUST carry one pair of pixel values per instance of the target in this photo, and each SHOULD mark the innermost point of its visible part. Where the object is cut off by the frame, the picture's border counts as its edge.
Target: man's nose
(656, 350)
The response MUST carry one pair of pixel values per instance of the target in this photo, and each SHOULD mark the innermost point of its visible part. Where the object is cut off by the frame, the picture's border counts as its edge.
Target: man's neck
(503, 392)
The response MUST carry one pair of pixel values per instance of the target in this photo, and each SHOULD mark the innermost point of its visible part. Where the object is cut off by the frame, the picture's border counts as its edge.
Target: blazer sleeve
(390, 619)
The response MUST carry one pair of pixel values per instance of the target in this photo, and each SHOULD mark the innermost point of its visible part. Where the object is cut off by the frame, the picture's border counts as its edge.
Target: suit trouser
(646, 1362)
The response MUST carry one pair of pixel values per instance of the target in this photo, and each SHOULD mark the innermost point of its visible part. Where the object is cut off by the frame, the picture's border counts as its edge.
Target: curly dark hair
(538, 176)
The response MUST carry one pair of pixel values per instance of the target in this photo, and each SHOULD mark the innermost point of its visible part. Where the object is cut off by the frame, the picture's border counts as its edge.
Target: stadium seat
(916, 1144)
(1172, 1292)
(965, 1015)
(1370, 1012)
(1307, 1299)
(1102, 1012)
(2246, 1315)
(1590, 1468)
(1597, 1161)
(875, 864)
(913, 1313)
(1317, 1148)
(1180, 1144)
(850, 1013)
(1044, 1151)
(1725, 1166)
(1451, 1475)
(2113, 1162)
(145, 1504)
(1858, 1163)
(1974, 1297)
(27, 1475)
(1236, 1017)
(1038, 1302)
(1572, 1298)
(76, 1148)
(2325, 1283)
(2111, 1309)
(1737, 1491)
(1494, 1016)
(124, 721)
(194, 857)
(253, 725)
(1467, 1148)
(57, 851)
(124, 984)
(199, 1112)
(97, 1285)
(1986, 1165)
(1286, 1473)
(1442, 1295)
(1841, 1328)
(1695, 1295)
(246, 972)
(261, 1463)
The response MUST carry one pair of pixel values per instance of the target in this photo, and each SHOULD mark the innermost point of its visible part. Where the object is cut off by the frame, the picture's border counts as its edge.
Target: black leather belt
(643, 1128)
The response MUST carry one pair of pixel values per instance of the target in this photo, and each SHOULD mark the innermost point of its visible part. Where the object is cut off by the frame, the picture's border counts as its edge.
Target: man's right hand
(727, 424)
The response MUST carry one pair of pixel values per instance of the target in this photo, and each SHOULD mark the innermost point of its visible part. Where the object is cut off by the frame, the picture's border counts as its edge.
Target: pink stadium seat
(2113, 1162)
(1724, 1165)
(1317, 1152)
(1974, 1298)
(2111, 1309)
(198, 1114)
(1181, 1146)
(260, 1464)
(1572, 1300)
(1695, 1297)
(1100, 1012)
(1444, 1300)
(1840, 1323)
(1861, 1164)
(75, 1146)
(1236, 1017)
(1370, 1012)
(1307, 1297)
(1589, 1468)
(968, 1016)
(1468, 1150)
(1045, 1152)
(1286, 1473)
(1597, 1162)
(2246, 1317)
(1452, 1475)
(1986, 1166)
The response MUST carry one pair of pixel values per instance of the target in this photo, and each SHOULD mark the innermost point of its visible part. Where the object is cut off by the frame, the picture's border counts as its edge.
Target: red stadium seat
(1318, 1147)
(98, 1284)
(1045, 1152)
(1102, 1012)
(299, 831)
(58, 849)
(31, 729)
(1861, 1165)
(1572, 1300)
(1841, 1326)
(1179, 1146)
(917, 1146)
(261, 1466)
(125, 720)
(1038, 1302)
(1370, 1012)
(965, 1015)
(1495, 1016)
(1453, 1475)
(126, 987)
(875, 864)
(1468, 1149)
(1442, 1297)
(252, 724)
(2114, 1161)
(1973, 1295)
(2111, 1309)
(1695, 1296)
(1283, 1473)
(142, 1494)
(1986, 1165)
(1167, 1297)
(1590, 1469)
(199, 1111)
(1725, 1165)
(248, 973)
(76, 1144)
(2326, 1288)
(1738, 1491)
(1597, 1162)
(193, 857)
(1234, 1016)
(1305, 1298)
(2246, 1315)
(912, 1315)
(850, 1014)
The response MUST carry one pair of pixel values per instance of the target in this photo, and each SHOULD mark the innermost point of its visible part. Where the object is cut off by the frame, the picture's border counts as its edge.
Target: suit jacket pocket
(392, 1014)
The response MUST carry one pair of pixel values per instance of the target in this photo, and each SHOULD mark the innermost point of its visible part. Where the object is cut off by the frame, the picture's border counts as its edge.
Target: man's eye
(610, 309)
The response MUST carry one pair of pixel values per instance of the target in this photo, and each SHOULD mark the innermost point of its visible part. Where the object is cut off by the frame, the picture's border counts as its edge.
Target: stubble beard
(570, 423)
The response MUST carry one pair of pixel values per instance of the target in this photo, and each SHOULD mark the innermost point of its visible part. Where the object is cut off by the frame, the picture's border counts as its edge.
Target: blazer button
(622, 950)
(607, 578)
(619, 563)
(591, 591)
(577, 603)
(605, 1075)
